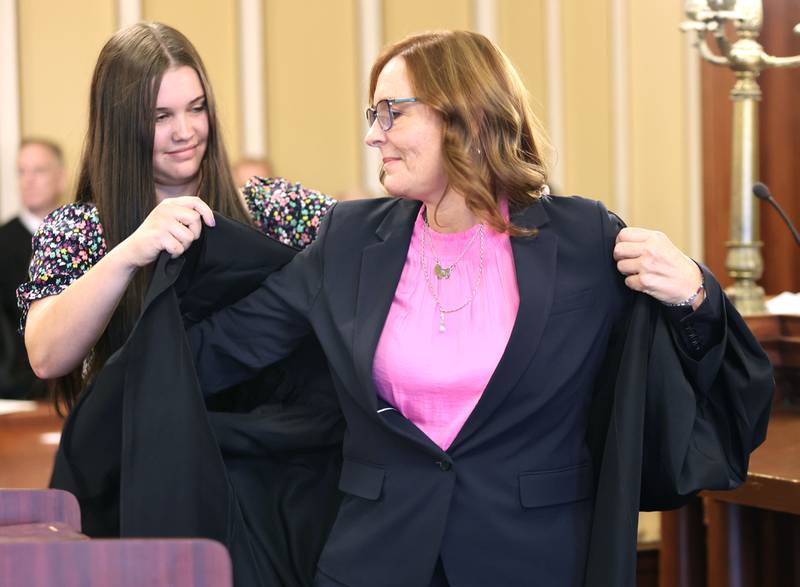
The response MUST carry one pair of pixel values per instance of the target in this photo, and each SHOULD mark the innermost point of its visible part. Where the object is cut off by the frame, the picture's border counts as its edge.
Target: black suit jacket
(580, 415)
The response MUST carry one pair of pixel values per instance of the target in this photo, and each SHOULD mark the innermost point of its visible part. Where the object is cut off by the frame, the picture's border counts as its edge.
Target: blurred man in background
(42, 182)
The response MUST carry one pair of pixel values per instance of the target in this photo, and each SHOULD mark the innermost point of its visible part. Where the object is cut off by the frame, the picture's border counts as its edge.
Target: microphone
(761, 192)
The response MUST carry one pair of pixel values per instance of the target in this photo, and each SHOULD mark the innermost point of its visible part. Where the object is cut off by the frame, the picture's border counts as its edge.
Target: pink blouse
(435, 378)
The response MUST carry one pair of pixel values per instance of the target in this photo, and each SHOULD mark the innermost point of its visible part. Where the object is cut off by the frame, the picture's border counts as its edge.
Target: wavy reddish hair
(492, 141)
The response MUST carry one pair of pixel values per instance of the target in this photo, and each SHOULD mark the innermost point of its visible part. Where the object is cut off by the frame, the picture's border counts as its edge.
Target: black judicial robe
(696, 437)
(17, 380)
(145, 457)
(255, 469)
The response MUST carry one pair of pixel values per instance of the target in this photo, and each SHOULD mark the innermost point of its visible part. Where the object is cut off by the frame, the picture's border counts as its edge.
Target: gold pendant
(442, 272)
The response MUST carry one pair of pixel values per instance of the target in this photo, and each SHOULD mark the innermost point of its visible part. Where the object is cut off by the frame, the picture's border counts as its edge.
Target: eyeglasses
(383, 113)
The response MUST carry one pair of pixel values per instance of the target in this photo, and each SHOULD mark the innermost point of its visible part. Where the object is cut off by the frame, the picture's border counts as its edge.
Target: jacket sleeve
(699, 330)
(703, 417)
(238, 341)
(696, 330)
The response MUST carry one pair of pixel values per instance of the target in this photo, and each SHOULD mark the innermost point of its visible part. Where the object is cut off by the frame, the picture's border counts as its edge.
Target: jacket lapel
(381, 267)
(535, 263)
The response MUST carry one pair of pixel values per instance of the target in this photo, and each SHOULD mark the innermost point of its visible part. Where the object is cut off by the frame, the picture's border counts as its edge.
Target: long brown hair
(492, 141)
(116, 173)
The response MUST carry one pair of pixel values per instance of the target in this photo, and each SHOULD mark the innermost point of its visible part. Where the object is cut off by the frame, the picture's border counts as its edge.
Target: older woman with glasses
(507, 390)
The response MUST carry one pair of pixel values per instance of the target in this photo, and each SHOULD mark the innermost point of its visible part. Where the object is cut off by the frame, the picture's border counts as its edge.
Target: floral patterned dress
(70, 240)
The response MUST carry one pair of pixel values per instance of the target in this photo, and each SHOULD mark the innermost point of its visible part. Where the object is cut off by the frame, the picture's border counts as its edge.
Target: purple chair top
(32, 506)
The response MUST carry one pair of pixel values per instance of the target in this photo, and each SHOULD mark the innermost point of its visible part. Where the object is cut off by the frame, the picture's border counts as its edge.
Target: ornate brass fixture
(746, 57)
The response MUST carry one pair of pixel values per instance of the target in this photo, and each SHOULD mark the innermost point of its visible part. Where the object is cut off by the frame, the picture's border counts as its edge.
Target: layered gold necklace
(442, 272)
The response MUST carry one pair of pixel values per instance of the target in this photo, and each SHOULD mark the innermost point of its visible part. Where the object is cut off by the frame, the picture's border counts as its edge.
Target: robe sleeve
(235, 343)
(697, 387)
(703, 417)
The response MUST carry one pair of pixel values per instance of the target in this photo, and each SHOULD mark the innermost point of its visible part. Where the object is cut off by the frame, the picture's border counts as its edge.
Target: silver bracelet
(690, 300)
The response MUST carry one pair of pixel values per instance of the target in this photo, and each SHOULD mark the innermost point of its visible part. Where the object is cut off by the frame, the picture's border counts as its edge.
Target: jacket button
(445, 465)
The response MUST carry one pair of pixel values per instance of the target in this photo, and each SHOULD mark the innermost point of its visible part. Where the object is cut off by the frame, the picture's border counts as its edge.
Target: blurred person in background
(42, 182)
(248, 167)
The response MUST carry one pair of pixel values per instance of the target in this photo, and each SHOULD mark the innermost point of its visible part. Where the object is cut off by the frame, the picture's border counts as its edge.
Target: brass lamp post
(746, 57)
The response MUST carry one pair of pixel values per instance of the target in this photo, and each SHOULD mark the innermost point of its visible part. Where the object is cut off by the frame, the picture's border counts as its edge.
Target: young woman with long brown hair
(154, 167)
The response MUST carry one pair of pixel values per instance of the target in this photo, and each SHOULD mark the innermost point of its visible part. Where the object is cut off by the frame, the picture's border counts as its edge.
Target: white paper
(12, 406)
(784, 303)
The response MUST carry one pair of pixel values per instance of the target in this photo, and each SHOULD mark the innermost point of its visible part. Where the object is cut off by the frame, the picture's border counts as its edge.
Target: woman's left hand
(655, 266)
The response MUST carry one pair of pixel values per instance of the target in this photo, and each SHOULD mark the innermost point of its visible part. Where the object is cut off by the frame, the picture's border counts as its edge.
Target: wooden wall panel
(716, 84)
(779, 154)
(682, 561)
(780, 147)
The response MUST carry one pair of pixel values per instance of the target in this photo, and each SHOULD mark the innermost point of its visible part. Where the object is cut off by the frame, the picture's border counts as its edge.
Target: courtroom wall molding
(128, 12)
(252, 82)
(9, 109)
(370, 30)
(555, 91)
(620, 105)
(484, 16)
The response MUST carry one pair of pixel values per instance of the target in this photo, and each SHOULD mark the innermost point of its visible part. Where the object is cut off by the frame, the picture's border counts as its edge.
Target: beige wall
(402, 18)
(313, 101)
(58, 46)
(314, 104)
(586, 46)
(521, 34)
(659, 135)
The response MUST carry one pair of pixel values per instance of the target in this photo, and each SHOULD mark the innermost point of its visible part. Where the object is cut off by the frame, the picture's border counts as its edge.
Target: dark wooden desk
(773, 480)
(780, 337)
(28, 443)
(753, 532)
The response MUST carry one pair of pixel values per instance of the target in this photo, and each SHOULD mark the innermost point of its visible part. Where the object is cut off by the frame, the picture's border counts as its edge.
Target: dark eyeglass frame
(372, 112)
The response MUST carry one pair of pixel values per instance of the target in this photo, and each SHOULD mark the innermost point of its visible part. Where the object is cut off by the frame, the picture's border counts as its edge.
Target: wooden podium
(748, 537)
